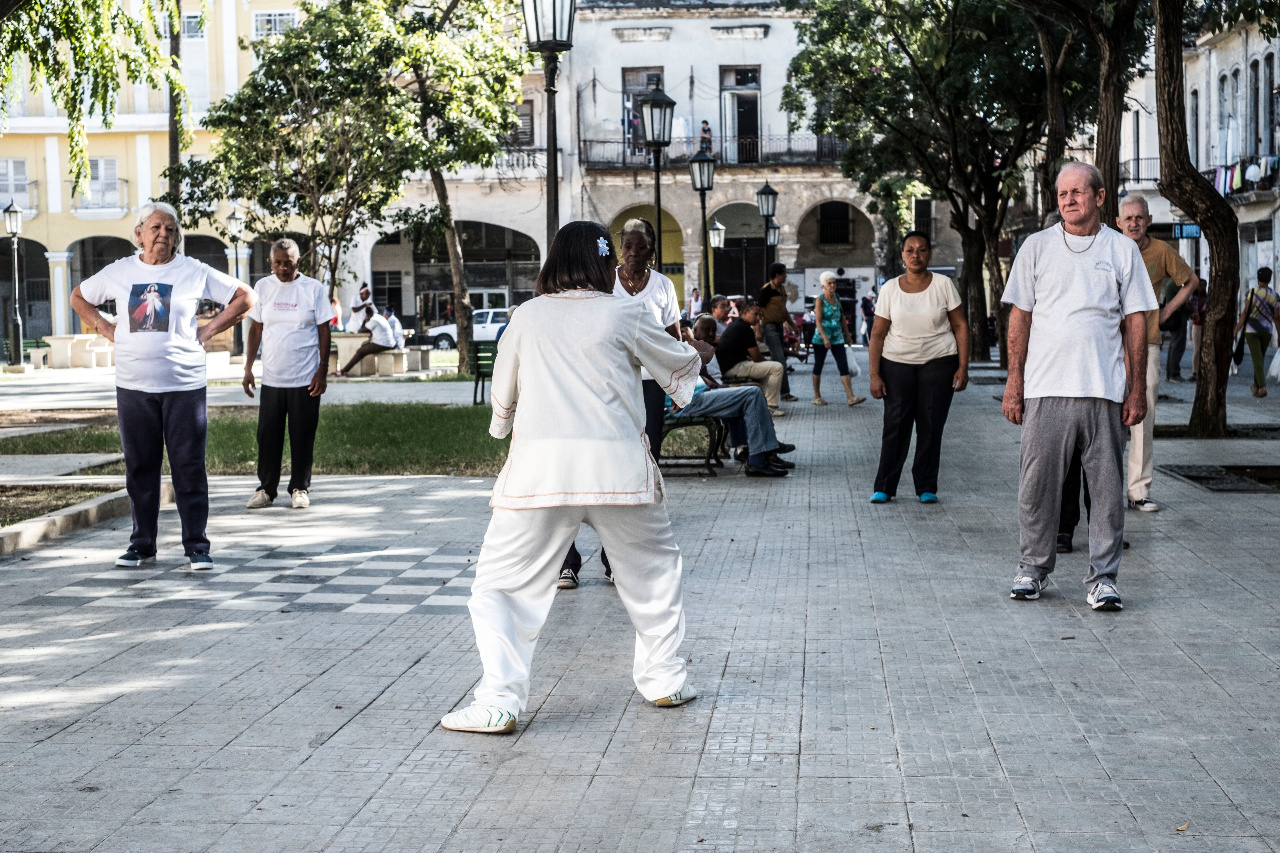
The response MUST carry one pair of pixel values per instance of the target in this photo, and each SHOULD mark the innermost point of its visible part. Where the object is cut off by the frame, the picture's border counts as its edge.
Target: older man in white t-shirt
(1078, 291)
(291, 322)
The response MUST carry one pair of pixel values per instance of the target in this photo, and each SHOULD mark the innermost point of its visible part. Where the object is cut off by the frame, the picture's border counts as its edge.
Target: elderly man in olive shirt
(773, 311)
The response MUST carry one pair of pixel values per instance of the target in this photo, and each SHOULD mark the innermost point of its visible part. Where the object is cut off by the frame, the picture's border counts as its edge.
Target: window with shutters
(636, 83)
(522, 136)
(13, 183)
(267, 24)
(104, 183)
(835, 223)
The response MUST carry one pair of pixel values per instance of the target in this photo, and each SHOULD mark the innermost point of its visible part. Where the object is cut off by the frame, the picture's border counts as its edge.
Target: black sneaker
(608, 569)
(568, 579)
(1064, 543)
(740, 454)
(767, 471)
(134, 558)
(201, 561)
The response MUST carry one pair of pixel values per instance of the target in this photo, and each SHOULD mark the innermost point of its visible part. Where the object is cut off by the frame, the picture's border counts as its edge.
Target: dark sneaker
(1104, 596)
(783, 447)
(779, 462)
(1026, 588)
(766, 471)
(608, 569)
(1064, 543)
(568, 579)
(1145, 505)
(201, 561)
(134, 558)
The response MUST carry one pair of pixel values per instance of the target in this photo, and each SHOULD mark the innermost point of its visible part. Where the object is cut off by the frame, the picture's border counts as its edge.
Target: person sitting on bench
(743, 403)
(382, 340)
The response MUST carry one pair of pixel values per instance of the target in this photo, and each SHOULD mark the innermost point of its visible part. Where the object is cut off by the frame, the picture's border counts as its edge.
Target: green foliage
(80, 49)
(321, 133)
(1214, 17)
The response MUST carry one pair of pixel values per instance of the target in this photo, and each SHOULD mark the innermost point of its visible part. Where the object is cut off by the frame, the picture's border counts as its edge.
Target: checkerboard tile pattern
(326, 578)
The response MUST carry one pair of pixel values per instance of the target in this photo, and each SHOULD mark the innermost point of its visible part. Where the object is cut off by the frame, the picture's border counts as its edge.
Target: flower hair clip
(602, 246)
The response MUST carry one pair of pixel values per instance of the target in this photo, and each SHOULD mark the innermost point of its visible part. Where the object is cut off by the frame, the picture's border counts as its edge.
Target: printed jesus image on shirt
(149, 307)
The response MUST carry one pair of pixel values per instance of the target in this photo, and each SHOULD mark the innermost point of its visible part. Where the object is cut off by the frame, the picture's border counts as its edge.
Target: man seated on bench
(742, 404)
(382, 340)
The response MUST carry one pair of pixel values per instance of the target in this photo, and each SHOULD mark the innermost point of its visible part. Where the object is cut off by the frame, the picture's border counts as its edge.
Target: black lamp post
(548, 29)
(716, 235)
(13, 224)
(656, 114)
(767, 203)
(702, 170)
(235, 230)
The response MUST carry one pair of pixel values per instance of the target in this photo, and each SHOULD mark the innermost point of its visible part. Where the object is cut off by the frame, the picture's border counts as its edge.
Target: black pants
(149, 424)
(1069, 516)
(1177, 347)
(302, 411)
(919, 395)
(655, 412)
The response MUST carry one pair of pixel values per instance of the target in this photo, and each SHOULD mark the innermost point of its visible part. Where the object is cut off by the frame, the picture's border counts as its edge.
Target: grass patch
(18, 503)
(450, 377)
(91, 439)
(362, 438)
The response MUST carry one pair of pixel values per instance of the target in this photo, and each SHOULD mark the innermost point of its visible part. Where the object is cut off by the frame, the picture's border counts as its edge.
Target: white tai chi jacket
(567, 383)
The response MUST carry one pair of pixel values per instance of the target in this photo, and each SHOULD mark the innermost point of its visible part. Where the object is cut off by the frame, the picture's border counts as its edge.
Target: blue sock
(757, 460)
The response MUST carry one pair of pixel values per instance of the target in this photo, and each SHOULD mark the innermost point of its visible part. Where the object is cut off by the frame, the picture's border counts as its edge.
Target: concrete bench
(92, 351)
(40, 358)
(417, 358)
(61, 346)
(390, 363)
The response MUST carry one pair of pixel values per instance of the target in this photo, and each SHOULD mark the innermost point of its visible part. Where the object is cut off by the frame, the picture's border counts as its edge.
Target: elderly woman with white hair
(831, 329)
(160, 372)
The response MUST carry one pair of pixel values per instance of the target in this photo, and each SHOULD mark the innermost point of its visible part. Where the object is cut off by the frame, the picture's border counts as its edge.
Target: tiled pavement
(866, 682)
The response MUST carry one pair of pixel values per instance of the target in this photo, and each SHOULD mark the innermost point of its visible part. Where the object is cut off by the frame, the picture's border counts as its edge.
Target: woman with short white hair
(160, 372)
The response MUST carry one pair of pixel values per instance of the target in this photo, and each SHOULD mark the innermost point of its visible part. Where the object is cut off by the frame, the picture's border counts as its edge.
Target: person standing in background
(1197, 302)
(1176, 326)
(868, 306)
(774, 318)
(1259, 317)
(695, 304)
(291, 323)
(829, 334)
(704, 138)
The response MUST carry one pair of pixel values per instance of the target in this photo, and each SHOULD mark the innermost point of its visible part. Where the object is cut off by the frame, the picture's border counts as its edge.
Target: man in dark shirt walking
(740, 360)
(773, 310)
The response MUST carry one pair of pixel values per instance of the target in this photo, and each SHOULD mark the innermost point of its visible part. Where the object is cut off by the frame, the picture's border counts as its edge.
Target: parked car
(484, 327)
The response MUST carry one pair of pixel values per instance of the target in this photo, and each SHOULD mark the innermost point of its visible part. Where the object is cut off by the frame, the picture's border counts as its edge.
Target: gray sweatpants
(1052, 427)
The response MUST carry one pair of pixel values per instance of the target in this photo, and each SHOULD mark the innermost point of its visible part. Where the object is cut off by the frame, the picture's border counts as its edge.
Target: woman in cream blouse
(919, 357)
(573, 406)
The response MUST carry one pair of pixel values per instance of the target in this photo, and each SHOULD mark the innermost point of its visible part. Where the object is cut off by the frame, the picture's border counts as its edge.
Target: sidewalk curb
(60, 522)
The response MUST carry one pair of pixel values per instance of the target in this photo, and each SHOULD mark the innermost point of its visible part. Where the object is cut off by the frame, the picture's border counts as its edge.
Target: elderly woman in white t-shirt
(919, 357)
(160, 372)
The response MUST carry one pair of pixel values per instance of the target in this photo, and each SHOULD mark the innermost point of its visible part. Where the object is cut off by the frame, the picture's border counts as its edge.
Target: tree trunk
(973, 288)
(461, 299)
(1055, 142)
(1195, 196)
(997, 290)
(1106, 152)
(175, 111)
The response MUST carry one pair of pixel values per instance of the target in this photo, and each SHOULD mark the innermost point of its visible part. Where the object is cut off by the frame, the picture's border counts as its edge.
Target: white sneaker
(1145, 505)
(1026, 588)
(485, 719)
(260, 500)
(1104, 596)
(301, 500)
(684, 694)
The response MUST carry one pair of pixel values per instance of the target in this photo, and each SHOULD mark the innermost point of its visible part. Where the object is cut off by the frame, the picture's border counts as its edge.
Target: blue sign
(1185, 231)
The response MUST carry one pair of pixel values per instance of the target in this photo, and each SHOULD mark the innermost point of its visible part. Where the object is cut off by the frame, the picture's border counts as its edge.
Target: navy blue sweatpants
(149, 424)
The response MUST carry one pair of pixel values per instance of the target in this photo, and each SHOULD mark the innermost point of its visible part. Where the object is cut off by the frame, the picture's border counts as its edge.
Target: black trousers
(655, 412)
(302, 412)
(916, 395)
(177, 421)
(1177, 348)
(1069, 516)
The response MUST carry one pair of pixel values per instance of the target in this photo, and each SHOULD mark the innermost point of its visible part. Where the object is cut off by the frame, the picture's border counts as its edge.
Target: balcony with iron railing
(1224, 180)
(793, 150)
(1140, 170)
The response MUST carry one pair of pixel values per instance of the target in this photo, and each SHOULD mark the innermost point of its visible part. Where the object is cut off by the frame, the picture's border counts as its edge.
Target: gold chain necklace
(1085, 249)
(630, 285)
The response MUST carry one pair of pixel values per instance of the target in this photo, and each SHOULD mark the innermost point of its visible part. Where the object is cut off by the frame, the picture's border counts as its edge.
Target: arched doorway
(837, 236)
(738, 269)
(672, 241)
(500, 263)
(208, 250)
(33, 288)
(89, 257)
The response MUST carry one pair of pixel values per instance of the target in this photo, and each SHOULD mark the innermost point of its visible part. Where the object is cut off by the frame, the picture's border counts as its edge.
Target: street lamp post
(716, 235)
(235, 230)
(702, 170)
(548, 28)
(656, 113)
(767, 203)
(13, 224)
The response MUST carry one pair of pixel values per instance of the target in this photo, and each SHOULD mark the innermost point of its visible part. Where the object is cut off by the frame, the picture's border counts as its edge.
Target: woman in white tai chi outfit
(566, 385)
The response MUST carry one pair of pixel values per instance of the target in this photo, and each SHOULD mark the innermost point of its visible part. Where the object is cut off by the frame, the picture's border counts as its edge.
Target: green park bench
(483, 354)
(717, 435)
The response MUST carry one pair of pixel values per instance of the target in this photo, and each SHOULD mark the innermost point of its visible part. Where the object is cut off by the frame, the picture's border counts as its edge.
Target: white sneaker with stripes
(485, 719)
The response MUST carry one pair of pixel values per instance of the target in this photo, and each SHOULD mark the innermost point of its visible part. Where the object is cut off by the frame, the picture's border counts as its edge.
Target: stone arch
(738, 268)
(33, 294)
(834, 232)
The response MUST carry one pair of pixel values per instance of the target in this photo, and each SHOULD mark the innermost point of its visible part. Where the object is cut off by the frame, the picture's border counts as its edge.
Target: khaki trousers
(516, 582)
(1141, 436)
(769, 373)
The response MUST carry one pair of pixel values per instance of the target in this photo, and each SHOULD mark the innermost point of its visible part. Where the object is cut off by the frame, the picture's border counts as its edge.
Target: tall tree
(1119, 31)
(464, 61)
(320, 133)
(1184, 186)
(81, 50)
(950, 92)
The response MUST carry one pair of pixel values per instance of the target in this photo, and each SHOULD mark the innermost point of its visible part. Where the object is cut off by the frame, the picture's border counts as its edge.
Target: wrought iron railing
(731, 150)
(1140, 170)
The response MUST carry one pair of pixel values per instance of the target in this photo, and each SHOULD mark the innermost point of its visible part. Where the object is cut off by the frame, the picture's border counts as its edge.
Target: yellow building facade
(68, 236)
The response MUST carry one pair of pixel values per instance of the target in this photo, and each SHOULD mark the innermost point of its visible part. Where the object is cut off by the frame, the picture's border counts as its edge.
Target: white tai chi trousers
(516, 582)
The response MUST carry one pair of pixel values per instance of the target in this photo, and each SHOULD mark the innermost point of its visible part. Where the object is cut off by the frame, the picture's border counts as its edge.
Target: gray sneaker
(1103, 595)
(1026, 588)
